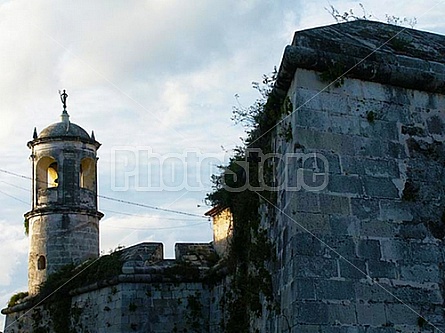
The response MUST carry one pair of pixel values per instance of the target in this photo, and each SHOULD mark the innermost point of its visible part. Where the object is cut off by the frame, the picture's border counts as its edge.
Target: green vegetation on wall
(16, 298)
(26, 226)
(251, 252)
(54, 292)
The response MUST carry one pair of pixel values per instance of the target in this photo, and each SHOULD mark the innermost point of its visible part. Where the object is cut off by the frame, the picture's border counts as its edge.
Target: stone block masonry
(385, 237)
(126, 307)
(150, 295)
(366, 251)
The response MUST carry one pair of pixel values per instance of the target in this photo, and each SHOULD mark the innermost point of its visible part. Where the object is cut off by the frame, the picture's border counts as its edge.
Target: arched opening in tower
(41, 263)
(47, 175)
(88, 173)
(52, 175)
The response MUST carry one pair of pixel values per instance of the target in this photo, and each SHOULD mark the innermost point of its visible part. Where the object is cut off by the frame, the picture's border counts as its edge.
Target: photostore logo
(141, 169)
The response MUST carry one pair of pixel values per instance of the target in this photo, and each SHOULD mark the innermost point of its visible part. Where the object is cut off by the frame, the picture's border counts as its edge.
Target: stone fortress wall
(152, 294)
(365, 253)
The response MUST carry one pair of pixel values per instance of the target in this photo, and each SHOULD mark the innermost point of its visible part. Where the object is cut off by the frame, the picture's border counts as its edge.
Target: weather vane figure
(63, 97)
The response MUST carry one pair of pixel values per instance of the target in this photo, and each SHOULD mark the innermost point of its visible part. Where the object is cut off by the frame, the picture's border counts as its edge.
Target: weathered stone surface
(196, 254)
(345, 184)
(378, 131)
(311, 313)
(374, 293)
(420, 273)
(309, 266)
(344, 225)
(352, 268)
(391, 210)
(368, 249)
(305, 202)
(331, 204)
(402, 314)
(395, 250)
(371, 314)
(382, 269)
(365, 209)
(334, 290)
(64, 219)
(343, 246)
(303, 289)
(380, 187)
(342, 314)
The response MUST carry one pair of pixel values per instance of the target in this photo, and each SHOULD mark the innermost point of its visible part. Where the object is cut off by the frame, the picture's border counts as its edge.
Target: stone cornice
(362, 50)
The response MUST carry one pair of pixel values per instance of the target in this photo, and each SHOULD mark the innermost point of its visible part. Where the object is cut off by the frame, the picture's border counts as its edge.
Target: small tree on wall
(350, 15)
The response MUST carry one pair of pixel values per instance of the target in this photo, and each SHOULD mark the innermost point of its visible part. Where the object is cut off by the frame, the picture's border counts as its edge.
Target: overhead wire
(160, 228)
(13, 197)
(173, 211)
(16, 186)
(145, 216)
(150, 207)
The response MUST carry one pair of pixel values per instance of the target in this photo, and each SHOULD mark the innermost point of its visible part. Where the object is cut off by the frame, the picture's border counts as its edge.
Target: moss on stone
(16, 298)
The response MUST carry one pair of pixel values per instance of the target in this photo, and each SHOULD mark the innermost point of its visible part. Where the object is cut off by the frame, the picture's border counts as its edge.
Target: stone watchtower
(64, 220)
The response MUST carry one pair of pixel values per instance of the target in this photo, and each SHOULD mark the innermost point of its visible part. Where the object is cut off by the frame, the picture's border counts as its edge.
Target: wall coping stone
(367, 50)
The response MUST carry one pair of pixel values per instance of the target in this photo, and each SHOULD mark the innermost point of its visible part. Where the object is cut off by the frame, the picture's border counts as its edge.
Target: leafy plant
(250, 116)
(286, 132)
(55, 290)
(399, 43)
(26, 226)
(391, 19)
(371, 117)
(250, 250)
(132, 307)
(334, 75)
(287, 107)
(17, 297)
(421, 322)
(410, 191)
(349, 15)
(194, 314)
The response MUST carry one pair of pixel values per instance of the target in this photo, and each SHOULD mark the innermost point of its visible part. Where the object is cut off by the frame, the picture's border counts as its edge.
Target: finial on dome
(34, 135)
(65, 117)
(63, 97)
(92, 136)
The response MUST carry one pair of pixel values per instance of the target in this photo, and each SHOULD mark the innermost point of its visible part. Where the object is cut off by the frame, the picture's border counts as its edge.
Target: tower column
(64, 218)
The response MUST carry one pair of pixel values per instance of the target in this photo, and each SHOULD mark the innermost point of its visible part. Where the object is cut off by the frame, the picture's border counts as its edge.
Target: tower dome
(64, 219)
(62, 130)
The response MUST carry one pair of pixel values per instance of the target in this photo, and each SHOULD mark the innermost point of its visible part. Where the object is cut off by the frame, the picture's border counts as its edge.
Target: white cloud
(129, 230)
(5, 295)
(14, 249)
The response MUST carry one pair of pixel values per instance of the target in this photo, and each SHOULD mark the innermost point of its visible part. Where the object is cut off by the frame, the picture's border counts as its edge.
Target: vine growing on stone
(350, 15)
(250, 253)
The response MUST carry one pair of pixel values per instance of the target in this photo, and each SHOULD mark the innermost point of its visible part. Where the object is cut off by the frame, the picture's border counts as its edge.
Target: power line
(14, 174)
(119, 200)
(13, 197)
(145, 216)
(162, 228)
(16, 186)
(150, 207)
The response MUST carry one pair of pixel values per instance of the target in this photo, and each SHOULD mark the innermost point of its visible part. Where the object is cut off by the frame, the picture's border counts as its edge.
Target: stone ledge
(408, 75)
(26, 304)
(367, 57)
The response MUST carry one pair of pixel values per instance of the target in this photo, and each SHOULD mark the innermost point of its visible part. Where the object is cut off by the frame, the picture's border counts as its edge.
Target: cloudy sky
(156, 81)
